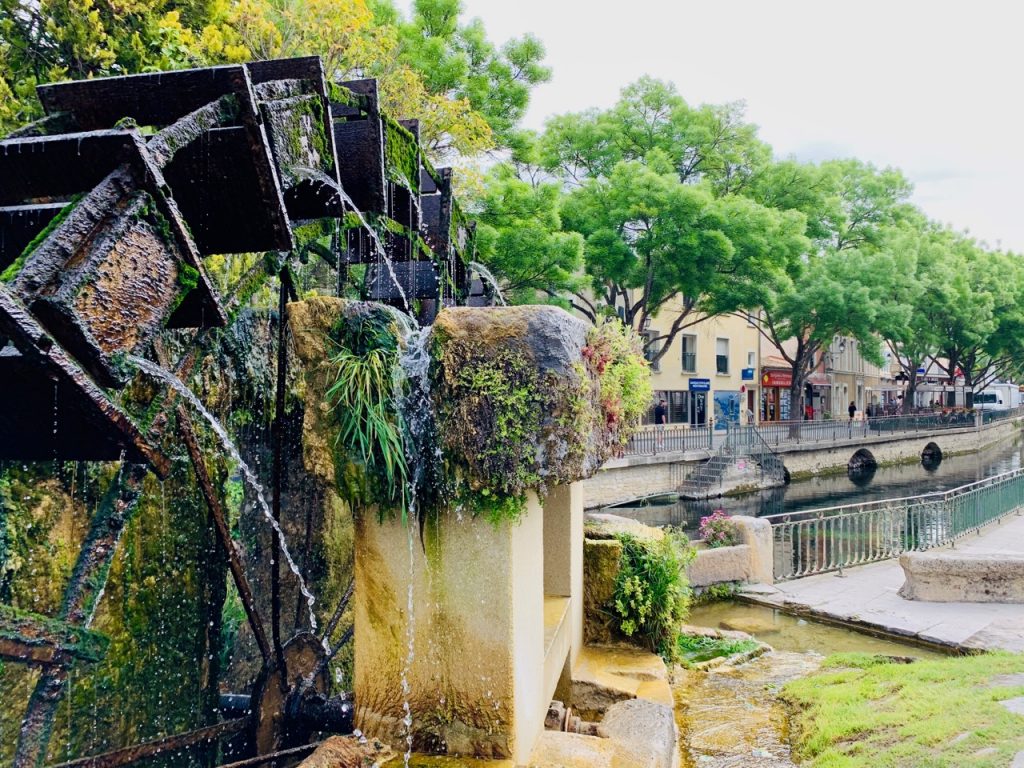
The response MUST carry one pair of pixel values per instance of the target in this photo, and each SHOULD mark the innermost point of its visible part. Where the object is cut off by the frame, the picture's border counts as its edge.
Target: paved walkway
(866, 596)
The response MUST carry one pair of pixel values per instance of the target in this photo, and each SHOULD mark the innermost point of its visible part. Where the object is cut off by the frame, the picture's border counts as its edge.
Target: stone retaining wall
(630, 478)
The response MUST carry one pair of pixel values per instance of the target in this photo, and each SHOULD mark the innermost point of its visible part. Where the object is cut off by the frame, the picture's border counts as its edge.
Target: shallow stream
(731, 717)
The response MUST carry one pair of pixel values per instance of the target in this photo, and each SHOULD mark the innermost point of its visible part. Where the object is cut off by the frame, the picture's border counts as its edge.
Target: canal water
(831, 490)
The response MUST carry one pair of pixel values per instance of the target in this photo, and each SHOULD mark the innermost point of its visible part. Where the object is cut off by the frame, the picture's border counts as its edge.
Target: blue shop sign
(700, 385)
(747, 374)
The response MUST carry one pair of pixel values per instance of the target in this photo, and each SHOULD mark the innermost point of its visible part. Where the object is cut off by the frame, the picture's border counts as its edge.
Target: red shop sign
(777, 379)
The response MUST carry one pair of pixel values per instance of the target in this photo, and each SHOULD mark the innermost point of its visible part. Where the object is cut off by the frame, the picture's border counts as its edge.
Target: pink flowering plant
(719, 530)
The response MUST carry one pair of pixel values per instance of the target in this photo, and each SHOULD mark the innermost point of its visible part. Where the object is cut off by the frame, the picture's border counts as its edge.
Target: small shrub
(714, 593)
(719, 530)
(652, 594)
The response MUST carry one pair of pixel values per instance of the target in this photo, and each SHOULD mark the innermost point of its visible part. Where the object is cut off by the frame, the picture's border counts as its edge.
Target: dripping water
(250, 477)
(412, 393)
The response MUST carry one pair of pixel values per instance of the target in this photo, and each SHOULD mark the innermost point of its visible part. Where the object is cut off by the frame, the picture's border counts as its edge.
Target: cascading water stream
(490, 279)
(412, 395)
(312, 174)
(250, 477)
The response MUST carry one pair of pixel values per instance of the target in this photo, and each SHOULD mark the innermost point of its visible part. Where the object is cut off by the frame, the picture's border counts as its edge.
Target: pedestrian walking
(852, 409)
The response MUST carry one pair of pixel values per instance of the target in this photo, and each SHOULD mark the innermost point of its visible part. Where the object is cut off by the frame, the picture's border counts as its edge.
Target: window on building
(751, 359)
(689, 356)
(722, 356)
(651, 349)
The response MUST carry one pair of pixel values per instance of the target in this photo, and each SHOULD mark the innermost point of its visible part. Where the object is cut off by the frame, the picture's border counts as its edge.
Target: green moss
(401, 155)
(693, 649)
(15, 267)
(504, 392)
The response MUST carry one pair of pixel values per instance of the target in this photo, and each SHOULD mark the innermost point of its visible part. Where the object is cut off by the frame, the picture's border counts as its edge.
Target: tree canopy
(468, 93)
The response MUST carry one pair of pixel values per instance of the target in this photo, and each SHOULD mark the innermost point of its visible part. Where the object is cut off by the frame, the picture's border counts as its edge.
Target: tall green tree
(519, 236)
(652, 240)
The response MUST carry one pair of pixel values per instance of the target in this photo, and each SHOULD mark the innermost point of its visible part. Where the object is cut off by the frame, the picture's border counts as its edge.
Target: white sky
(934, 88)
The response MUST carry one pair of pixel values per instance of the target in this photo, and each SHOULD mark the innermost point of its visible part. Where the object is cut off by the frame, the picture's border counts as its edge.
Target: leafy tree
(834, 293)
(520, 237)
(59, 39)
(654, 243)
(707, 143)
(456, 61)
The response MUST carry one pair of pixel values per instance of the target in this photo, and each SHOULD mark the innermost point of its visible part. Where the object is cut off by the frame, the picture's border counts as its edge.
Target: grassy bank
(866, 712)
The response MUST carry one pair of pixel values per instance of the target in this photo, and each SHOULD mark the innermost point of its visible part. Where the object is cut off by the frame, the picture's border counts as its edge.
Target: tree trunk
(908, 397)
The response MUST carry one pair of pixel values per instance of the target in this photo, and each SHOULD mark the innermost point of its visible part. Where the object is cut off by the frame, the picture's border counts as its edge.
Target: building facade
(708, 374)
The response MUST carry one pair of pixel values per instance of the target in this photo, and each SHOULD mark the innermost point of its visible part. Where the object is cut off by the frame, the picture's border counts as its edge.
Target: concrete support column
(474, 674)
(563, 556)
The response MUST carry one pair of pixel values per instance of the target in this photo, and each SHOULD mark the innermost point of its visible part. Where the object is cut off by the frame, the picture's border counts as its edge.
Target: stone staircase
(707, 479)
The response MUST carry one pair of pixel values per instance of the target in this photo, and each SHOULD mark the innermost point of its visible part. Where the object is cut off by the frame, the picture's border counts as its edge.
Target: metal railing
(781, 433)
(670, 438)
(833, 538)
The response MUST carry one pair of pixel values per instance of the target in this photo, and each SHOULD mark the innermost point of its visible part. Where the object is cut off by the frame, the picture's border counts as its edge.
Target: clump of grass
(369, 424)
(862, 711)
(693, 649)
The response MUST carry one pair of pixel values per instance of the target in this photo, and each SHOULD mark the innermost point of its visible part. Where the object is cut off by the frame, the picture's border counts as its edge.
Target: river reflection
(834, 490)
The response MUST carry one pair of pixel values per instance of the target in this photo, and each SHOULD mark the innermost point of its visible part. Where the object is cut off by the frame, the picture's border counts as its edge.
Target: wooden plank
(59, 166)
(413, 279)
(19, 224)
(156, 99)
(34, 639)
(37, 350)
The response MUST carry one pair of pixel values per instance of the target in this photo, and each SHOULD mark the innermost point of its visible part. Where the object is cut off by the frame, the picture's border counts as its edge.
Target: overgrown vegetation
(371, 464)
(615, 354)
(863, 711)
(714, 593)
(693, 649)
(652, 594)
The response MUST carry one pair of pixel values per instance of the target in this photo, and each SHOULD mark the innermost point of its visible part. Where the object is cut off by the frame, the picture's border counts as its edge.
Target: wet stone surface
(731, 716)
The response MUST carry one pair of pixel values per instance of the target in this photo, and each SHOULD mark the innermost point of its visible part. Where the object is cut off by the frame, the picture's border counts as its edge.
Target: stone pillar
(475, 670)
(563, 555)
(756, 533)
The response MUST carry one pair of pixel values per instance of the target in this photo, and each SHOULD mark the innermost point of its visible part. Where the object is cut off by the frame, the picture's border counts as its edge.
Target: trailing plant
(370, 426)
(719, 530)
(652, 593)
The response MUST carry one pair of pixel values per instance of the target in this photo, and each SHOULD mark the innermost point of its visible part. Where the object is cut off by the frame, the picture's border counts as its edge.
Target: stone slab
(963, 577)
(606, 675)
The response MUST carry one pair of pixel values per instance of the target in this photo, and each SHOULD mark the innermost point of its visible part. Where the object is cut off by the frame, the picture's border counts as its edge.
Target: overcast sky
(934, 88)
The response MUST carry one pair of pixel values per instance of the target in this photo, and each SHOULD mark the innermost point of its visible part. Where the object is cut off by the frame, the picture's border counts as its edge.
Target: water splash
(250, 477)
(490, 279)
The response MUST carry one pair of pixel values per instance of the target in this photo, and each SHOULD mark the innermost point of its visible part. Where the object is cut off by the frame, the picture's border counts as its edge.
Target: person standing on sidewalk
(660, 420)
(852, 409)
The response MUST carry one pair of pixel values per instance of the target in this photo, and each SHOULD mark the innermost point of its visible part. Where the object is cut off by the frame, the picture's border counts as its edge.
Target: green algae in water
(784, 632)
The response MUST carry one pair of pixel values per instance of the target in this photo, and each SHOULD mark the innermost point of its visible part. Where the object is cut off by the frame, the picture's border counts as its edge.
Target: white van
(998, 397)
